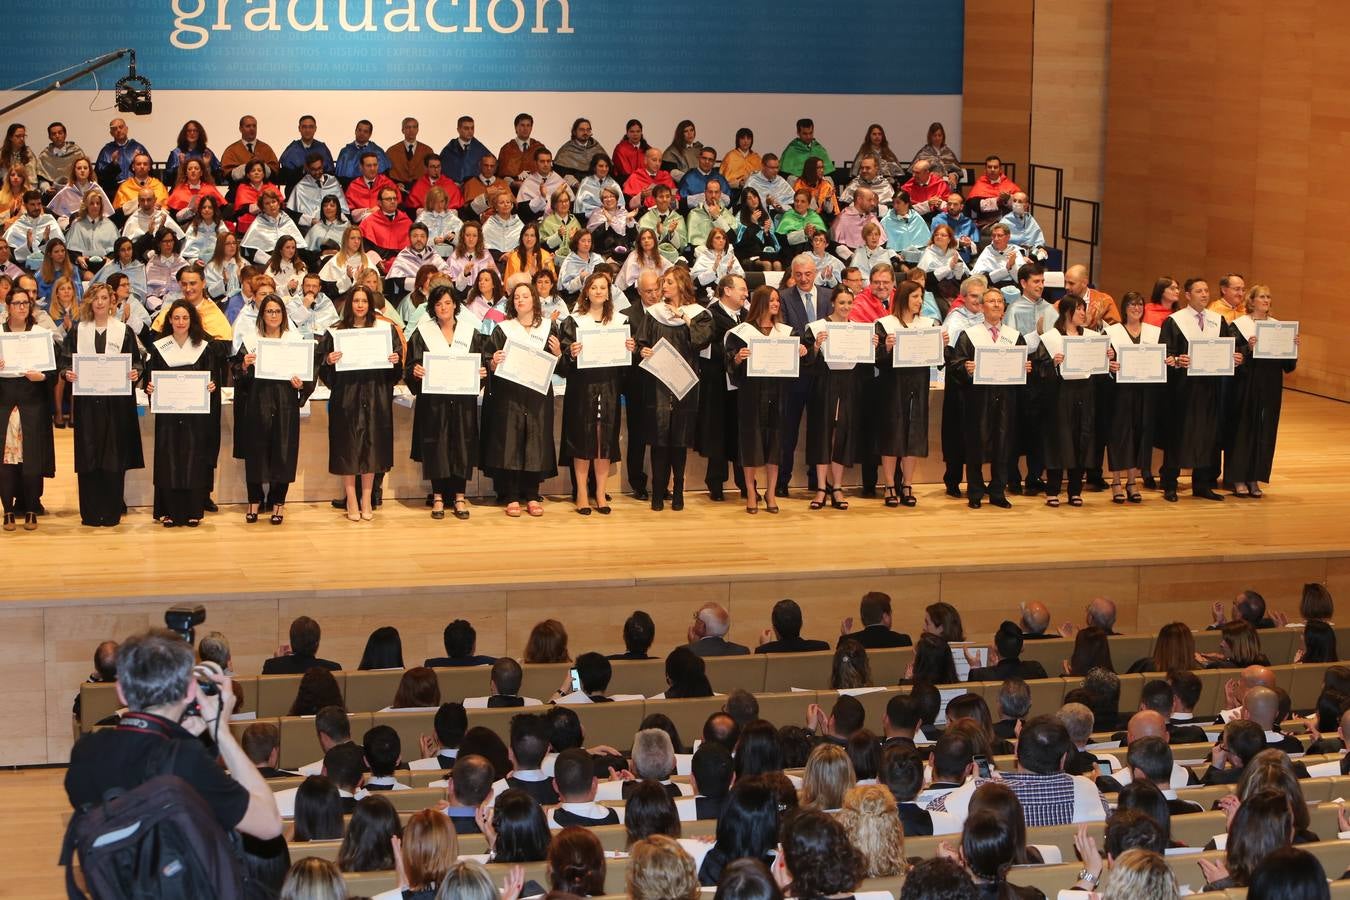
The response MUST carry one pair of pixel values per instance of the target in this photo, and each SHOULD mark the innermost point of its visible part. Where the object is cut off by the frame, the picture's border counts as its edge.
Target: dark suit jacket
(1183, 807)
(717, 646)
(878, 637)
(629, 656)
(795, 314)
(297, 664)
(792, 645)
(1008, 668)
(915, 820)
(497, 701)
(1221, 776)
(1005, 729)
(1028, 636)
(456, 662)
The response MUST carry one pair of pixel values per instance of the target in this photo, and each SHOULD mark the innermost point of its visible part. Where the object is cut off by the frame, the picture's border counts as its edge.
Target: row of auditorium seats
(272, 695)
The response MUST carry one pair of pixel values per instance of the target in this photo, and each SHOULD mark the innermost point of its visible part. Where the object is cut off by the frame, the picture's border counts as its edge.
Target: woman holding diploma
(902, 435)
(590, 432)
(186, 444)
(360, 410)
(759, 401)
(267, 415)
(26, 407)
(107, 435)
(1129, 440)
(1254, 415)
(445, 426)
(833, 419)
(1071, 422)
(670, 423)
(518, 421)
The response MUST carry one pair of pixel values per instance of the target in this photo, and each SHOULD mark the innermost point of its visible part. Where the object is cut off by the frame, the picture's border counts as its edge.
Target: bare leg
(753, 479)
(822, 479)
(581, 470)
(367, 487)
(770, 480)
(349, 488)
(601, 467)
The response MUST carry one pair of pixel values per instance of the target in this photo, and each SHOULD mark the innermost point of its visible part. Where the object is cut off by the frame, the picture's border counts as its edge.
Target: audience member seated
(695, 182)
(747, 828)
(868, 176)
(594, 673)
(1239, 648)
(786, 634)
(529, 744)
(845, 719)
(1000, 260)
(1237, 746)
(874, 612)
(1262, 825)
(1025, 231)
(383, 755)
(819, 860)
(129, 190)
(933, 663)
(988, 849)
(773, 190)
(927, 189)
(1078, 720)
(846, 230)
(576, 785)
(468, 788)
(666, 222)
(538, 185)
(505, 686)
(1248, 606)
(262, 744)
(439, 750)
(803, 147)
(29, 234)
(482, 190)
(990, 197)
(710, 777)
(640, 186)
(1004, 660)
(332, 727)
(707, 634)
(318, 811)
(301, 653)
(418, 689)
(1014, 702)
(368, 846)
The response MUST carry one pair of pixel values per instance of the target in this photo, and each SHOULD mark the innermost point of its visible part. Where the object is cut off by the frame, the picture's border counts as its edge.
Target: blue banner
(787, 46)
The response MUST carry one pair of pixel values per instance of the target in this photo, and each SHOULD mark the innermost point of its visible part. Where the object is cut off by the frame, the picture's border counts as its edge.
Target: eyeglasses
(19, 303)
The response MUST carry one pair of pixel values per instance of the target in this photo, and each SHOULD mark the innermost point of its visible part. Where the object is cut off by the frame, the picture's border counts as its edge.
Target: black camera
(182, 620)
(132, 94)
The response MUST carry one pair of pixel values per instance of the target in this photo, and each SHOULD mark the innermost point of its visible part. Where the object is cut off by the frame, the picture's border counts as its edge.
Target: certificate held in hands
(1085, 356)
(101, 375)
(451, 374)
(362, 348)
(603, 347)
(282, 360)
(1142, 364)
(849, 343)
(1211, 356)
(528, 366)
(1275, 340)
(774, 357)
(181, 393)
(917, 347)
(670, 369)
(27, 351)
(1002, 366)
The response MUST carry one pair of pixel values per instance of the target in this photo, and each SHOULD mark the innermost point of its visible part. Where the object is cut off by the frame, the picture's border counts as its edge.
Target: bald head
(1263, 706)
(1258, 676)
(1102, 613)
(1146, 723)
(1035, 617)
(649, 287)
(1076, 280)
(713, 619)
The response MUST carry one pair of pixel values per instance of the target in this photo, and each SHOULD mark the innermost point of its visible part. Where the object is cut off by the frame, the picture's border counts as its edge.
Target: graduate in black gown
(445, 426)
(1068, 421)
(989, 412)
(360, 409)
(186, 444)
(834, 414)
(669, 423)
(107, 434)
(267, 415)
(26, 411)
(1190, 417)
(1133, 407)
(590, 426)
(760, 400)
(1253, 420)
(517, 439)
(902, 431)
(716, 438)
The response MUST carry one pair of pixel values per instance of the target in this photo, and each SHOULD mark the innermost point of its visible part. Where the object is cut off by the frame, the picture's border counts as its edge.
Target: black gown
(759, 407)
(834, 415)
(591, 408)
(33, 399)
(664, 420)
(1253, 419)
(187, 446)
(1133, 415)
(1190, 415)
(716, 437)
(445, 426)
(903, 408)
(517, 427)
(107, 435)
(266, 423)
(1068, 414)
(989, 417)
(360, 415)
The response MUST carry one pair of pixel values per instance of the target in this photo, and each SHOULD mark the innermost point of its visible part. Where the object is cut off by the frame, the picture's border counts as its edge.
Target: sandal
(513, 509)
(1052, 502)
(1075, 501)
(1117, 495)
(836, 498)
(819, 504)
(534, 508)
(907, 495)
(1255, 490)
(437, 508)
(1132, 493)
(461, 514)
(890, 499)
(251, 517)
(277, 516)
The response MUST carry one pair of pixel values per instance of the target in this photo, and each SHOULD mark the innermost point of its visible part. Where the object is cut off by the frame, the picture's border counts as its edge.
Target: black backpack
(157, 841)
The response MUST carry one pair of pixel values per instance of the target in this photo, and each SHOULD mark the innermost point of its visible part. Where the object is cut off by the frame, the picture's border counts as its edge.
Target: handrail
(1035, 195)
(1093, 239)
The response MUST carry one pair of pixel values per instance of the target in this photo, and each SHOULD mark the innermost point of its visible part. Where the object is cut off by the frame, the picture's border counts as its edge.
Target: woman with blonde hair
(1139, 874)
(1253, 417)
(91, 234)
(312, 878)
(424, 854)
(344, 267)
(470, 880)
(828, 776)
(660, 869)
(872, 820)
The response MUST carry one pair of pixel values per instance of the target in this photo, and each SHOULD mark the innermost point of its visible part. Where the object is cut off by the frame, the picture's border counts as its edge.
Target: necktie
(1200, 320)
(249, 145)
(369, 184)
(993, 333)
(410, 149)
(806, 301)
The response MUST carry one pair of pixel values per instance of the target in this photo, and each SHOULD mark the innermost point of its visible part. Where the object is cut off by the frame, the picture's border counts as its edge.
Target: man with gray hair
(1077, 720)
(1014, 702)
(962, 316)
(707, 634)
(1100, 613)
(215, 647)
(1035, 621)
(653, 760)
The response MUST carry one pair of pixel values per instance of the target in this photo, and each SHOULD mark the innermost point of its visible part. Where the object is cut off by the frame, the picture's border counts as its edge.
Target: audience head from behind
(660, 869)
(939, 878)
(1103, 686)
(875, 610)
(519, 831)
(384, 650)
(1077, 721)
(450, 724)
(418, 689)
(928, 701)
(639, 631)
(971, 707)
(1128, 829)
(1147, 798)
(366, 846)
(742, 706)
(999, 801)
(653, 755)
(1090, 651)
(795, 743)
(650, 810)
(1174, 649)
(1289, 874)
(1186, 689)
(952, 758)
(460, 639)
(933, 663)
(850, 668)
(1272, 770)
(574, 776)
(758, 751)
(470, 782)
(383, 750)
(902, 717)
(484, 742)
(748, 879)
(305, 634)
(547, 643)
(686, 675)
(864, 752)
(663, 722)
(105, 663)
(786, 618)
(576, 863)
(1319, 643)
(506, 677)
(1043, 746)
(530, 733)
(1240, 646)
(262, 744)
(901, 771)
(711, 771)
(1008, 642)
(318, 688)
(318, 811)
(1139, 874)
(1014, 699)
(1263, 707)
(721, 728)
(594, 672)
(1150, 759)
(429, 848)
(827, 777)
(344, 764)
(846, 717)
(215, 647)
(468, 879)
(711, 621)
(1316, 603)
(872, 822)
(748, 827)
(944, 621)
(818, 860)
(1035, 618)
(565, 732)
(312, 878)
(1262, 824)
(988, 848)
(333, 727)
(1242, 739)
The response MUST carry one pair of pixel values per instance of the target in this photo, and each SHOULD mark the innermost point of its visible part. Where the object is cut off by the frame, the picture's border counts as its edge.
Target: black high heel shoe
(461, 514)
(251, 517)
(891, 500)
(907, 495)
(836, 497)
(819, 504)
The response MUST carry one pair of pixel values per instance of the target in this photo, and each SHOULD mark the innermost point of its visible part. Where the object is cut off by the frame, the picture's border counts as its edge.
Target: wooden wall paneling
(996, 81)
(985, 599)
(826, 601)
(24, 702)
(1185, 593)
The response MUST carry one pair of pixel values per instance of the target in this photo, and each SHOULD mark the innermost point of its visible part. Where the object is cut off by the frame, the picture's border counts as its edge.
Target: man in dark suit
(529, 746)
(1241, 741)
(343, 765)
(875, 612)
(469, 784)
(1150, 759)
(707, 635)
(461, 648)
(786, 634)
(505, 682)
(801, 304)
(1249, 606)
(1182, 726)
(1004, 661)
(299, 656)
(1157, 695)
(262, 744)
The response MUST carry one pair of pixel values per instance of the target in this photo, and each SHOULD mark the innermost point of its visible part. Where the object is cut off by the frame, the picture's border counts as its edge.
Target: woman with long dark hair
(1090, 651)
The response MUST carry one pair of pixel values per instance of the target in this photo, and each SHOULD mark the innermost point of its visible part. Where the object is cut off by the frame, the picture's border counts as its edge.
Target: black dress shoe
(1150, 482)
(1207, 494)
(1001, 502)
(677, 501)
(641, 494)
(376, 499)
(658, 502)
(868, 493)
(715, 494)
(780, 491)
(1170, 495)
(1033, 487)
(954, 491)
(340, 503)
(973, 503)
(1097, 483)
(210, 505)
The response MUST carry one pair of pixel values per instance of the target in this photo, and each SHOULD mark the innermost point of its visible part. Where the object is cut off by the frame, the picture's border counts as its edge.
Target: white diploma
(1211, 356)
(774, 357)
(451, 373)
(1001, 366)
(1084, 355)
(528, 366)
(101, 375)
(603, 347)
(363, 348)
(282, 360)
(1142, 364)
(27, 351)
(849, 342)
(916, 347)
(670, 369)
(1275, 340)
(181, 393)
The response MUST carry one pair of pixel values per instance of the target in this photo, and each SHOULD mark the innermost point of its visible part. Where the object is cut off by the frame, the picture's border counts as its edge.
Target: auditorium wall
(1229, 125)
